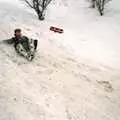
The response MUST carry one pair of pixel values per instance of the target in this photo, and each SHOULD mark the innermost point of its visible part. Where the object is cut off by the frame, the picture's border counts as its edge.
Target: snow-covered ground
(75, 75)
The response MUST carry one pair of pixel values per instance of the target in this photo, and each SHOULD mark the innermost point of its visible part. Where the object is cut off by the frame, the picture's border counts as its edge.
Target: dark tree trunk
(93, 3)
(39, 6)
(41, 16)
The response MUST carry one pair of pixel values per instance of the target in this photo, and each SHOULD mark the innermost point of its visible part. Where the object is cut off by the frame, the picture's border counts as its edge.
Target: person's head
(17, 32)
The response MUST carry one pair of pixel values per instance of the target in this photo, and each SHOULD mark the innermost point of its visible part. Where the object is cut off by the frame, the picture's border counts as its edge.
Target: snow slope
(68, 80)
(91, 36)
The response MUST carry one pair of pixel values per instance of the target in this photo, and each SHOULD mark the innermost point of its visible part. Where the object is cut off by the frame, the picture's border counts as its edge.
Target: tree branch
(28, 3)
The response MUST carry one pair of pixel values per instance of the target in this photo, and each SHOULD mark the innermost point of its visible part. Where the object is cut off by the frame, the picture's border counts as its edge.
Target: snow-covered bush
(39, 6)
(100, 4)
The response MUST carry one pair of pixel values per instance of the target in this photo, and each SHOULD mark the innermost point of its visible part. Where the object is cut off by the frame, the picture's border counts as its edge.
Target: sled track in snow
(11, 55)
(62, 82)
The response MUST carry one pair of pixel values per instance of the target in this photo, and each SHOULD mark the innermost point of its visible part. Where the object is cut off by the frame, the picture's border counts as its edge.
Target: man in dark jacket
(23, 45)
(19, 39)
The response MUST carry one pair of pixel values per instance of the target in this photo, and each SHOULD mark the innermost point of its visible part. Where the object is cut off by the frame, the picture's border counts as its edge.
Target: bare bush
(39, 6)
(100, 4)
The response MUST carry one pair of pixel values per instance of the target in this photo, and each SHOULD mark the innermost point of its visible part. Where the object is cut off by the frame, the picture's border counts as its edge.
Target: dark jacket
(21, 40)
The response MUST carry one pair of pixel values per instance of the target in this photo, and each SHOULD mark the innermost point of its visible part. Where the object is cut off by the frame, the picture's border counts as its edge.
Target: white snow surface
(75, 75)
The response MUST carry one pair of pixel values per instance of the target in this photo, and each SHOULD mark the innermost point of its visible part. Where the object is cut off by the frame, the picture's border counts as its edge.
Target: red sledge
(55, 29)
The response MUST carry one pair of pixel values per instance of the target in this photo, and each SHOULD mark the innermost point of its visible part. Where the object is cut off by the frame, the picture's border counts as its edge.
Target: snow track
(56, 85)
(55, 88)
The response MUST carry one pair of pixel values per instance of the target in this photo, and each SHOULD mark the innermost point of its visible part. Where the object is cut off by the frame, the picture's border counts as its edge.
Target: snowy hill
(75, 75)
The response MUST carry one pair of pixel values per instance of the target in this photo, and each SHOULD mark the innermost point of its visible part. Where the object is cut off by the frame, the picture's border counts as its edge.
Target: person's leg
(35, 44)
(30, 50)
(20, 49)
(26, 45)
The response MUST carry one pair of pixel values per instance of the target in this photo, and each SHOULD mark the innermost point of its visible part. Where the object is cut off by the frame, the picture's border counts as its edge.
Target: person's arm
(9, 41)
(25, 37)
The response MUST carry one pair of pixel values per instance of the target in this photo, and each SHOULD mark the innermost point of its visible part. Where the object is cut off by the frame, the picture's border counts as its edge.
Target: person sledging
(23, 45)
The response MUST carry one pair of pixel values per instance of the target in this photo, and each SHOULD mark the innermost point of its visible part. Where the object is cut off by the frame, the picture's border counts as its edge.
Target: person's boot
(30, 56)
